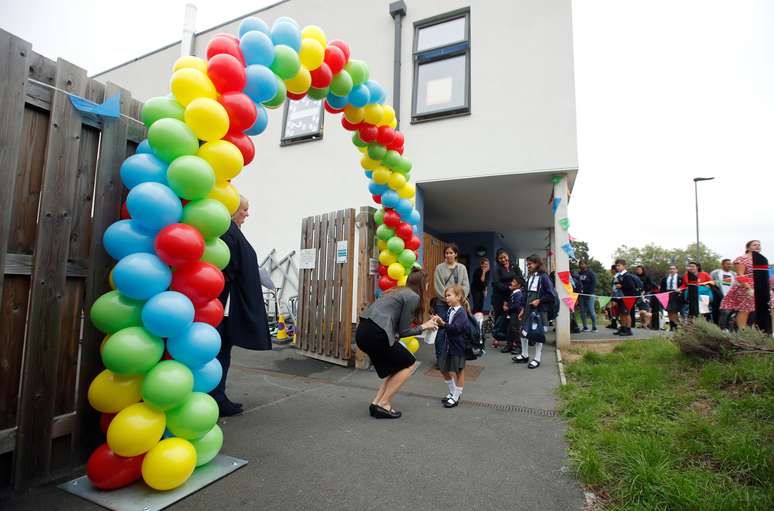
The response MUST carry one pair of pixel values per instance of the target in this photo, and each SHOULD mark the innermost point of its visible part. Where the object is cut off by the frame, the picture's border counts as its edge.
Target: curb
(562, 379)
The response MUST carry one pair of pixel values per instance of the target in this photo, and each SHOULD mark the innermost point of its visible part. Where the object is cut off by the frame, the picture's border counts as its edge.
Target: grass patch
(651, 428)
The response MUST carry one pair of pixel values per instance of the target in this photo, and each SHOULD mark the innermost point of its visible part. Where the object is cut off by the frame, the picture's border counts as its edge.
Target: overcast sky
(666, 90)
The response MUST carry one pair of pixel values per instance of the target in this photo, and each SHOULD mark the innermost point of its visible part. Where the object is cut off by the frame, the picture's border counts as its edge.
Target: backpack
(637, 283)
(474, 339)
(533, 328)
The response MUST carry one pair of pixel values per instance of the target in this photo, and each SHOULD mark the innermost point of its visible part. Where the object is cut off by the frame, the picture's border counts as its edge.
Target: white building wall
(522, 106)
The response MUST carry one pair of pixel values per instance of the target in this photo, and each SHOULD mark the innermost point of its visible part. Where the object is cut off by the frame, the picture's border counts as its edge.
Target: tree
(657, 260)
(604, 279)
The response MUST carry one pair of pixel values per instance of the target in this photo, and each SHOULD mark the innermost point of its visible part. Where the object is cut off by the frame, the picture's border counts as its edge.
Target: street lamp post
(696, 196)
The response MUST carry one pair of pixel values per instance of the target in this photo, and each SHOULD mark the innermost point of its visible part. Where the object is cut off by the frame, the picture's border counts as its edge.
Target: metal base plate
(140, 497)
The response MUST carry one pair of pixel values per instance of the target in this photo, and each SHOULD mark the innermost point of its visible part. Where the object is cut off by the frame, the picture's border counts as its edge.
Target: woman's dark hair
(416, 282)
(698, 266)
(747, 245)
(453, 247)
(537, 261)
(640, 267)
(501, 252)
(482, 260)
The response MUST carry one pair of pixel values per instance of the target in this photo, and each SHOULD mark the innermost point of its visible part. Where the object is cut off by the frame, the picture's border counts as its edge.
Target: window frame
(313, 137)
(439, 53)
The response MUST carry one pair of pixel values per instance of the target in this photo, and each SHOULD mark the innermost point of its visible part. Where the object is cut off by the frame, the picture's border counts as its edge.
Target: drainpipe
(397, 11)
(189, 30)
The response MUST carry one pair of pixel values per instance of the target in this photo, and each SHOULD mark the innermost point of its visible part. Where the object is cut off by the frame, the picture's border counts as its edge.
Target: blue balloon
(414, 218)
(286, 33)
(127, 237)
(167, 314)
(143, 168)
(167, 434)
(253, 23)
(154, 206)
(376, 189)
(207, 377)
(359, 96)
(287, 19)
(376, 91)
(141, 276)
(257, 48)
(337, 102)
(144, 147)
(261, 84)
(404, 208)
(390, 199)
(195, 346)
(369, 174)
(261, 121)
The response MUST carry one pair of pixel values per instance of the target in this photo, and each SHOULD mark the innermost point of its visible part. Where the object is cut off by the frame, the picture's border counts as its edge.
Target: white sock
(457, 393)
(525, 348)
(451, 385)
(538, 351)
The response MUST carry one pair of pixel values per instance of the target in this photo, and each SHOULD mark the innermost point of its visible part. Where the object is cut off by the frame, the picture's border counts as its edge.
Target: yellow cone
(282, 332)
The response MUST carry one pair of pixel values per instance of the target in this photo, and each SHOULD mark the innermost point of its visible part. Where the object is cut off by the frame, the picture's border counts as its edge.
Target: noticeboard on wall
(303, 121)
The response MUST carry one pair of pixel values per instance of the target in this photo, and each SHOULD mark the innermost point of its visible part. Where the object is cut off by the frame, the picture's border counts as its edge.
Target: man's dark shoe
(229, 409)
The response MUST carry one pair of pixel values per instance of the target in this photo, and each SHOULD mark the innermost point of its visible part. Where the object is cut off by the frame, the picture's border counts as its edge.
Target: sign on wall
(303, 121)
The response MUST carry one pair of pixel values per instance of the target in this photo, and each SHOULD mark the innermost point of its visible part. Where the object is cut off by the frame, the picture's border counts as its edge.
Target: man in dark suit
(672, 284)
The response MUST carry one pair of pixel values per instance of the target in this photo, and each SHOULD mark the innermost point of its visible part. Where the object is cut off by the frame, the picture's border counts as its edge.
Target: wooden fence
(432, 257)
(59, 189)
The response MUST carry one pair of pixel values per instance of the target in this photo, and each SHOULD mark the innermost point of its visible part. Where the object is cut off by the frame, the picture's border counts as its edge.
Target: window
(441, 67)
(303, 121)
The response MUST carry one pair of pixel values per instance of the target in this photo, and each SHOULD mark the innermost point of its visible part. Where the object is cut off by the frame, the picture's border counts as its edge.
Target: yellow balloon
(316, 33)
(369, 164)
(373, 113)
(396, 271)
(363, 150)
(393, 124)
(388, 115)
(189, 61)
(224, 158)
(111, 393)
(111, 282)
(300, 83)
(381, 175)
(188, 84)
(381, 245)
(387, 258)
(407, 191)
(353, 114)
(207, 118)
(227, 194)
(169, 464)
(411, 343)
(402, 281)
(311, 53)
(396, 181)
(413, 201)
(135, 430)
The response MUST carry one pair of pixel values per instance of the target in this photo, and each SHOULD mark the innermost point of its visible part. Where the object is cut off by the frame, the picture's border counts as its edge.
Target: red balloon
(243, 143)
(368, 132)
(385, 135)
(225, 43)
(294, 96)
(386, 283)
(242, 112)
(348, 125)
(335, 59)
(199, 281)
(377, 198)
(404, 231)
(211, 313)
(322, 76)
(413, 243)
(399, 150)
(178, 244)
(125, 212)
(391, 219)
(104, 421)
(108, 471)
(382, 270)
(341, 45)
(330, 109)
(397, 141)
(227, 73)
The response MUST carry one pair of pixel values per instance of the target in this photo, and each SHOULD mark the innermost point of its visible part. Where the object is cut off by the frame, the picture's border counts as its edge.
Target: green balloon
(403, 166)
(379, 216)
(208, 446)
(358, 70)
(278, 98)
(395, 245)
(161, 107)
(132, 351)
(113, 311)
(167, 385)
(191, 177)
(391, 159)
(376, 151)
(216, 252)
(318, 93)
(171, 138)
(286, 63)
(384, 233)
(357, 141)
(341, 84)
(194, 418)
(209, 216)
(407, 258)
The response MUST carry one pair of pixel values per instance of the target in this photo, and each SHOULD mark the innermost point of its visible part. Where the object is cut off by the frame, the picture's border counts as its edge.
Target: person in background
(479, 285)
(724, 278)
(448, 273)
(741, 297)
(612, 305)
(625, 283)
(245, 323)
(672, 284)
(456, 325)
(701, 303)
(648, 288)
(502, 275)
(514, 309)
(588, 287)
(540, 297)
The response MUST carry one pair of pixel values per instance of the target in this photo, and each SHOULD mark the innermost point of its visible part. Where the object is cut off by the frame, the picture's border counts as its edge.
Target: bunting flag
(663, 298)
(569, 250)
(555, 204)
(556, 179)
(571, 238)
(603, 301)
(551, 198)
(568, 287)
(629, 301)
(569, 302)
(564, 223)
(111, 107)
(550, 253)
(564, 276)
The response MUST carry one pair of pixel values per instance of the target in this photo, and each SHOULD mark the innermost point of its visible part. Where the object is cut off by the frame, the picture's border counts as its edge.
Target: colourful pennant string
(663, 298)
(603, 301)
(555, 204)
(569, 250)
(564, 223)
(569, 302)
(564, 276)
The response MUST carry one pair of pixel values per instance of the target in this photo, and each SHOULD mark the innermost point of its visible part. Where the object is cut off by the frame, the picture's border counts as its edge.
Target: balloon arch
(161, 342)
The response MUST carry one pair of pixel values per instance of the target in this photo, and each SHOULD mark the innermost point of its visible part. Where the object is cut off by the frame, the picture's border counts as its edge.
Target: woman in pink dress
(741, 297)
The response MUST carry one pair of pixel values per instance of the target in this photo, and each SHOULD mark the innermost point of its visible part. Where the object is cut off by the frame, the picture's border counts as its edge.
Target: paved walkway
(311, 444)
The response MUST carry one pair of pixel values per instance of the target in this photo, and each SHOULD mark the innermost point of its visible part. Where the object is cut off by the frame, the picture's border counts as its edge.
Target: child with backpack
(540, 299)
(457, 328)
(514, 310)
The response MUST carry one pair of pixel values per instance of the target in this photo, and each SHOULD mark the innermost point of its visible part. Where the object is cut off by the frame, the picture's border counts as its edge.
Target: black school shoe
(383, 413)
(228, 409)
(533, 365)
(372, 410)
(451, 402)
(520, 359)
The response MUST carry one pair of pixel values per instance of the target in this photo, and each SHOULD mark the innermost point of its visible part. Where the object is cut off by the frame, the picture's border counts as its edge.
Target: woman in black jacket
(479, 284)
(502, 275)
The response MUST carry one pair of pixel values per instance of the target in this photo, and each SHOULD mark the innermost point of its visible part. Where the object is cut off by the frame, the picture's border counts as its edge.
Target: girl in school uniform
(452, 359)
(514, 308)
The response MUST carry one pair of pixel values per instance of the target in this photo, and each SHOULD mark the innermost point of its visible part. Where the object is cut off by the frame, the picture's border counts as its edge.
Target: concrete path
(311, 444)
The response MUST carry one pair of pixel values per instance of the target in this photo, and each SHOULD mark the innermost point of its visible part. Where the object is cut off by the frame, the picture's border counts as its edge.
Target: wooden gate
(59, 189)
(433, 256)
(326, 271)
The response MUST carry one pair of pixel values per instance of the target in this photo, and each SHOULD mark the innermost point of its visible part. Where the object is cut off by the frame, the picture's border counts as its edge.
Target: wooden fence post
(366, 283)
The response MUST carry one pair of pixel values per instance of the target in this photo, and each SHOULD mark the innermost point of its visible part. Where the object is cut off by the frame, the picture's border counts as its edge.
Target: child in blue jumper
(514, 309)
(452, 359)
